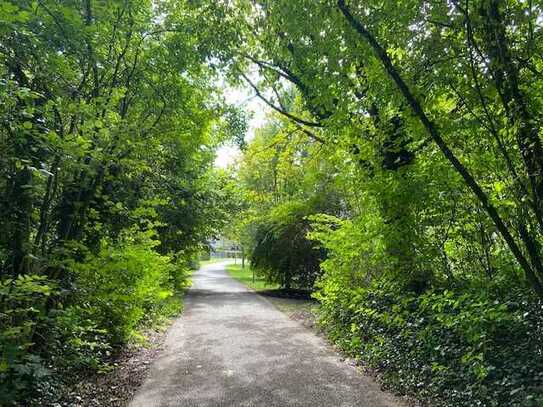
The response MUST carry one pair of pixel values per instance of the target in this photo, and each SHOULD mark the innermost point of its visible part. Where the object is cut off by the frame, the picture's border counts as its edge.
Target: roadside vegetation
(250, 278)
(296, 304)
(213, 261)
(398, 179)
(109, 119)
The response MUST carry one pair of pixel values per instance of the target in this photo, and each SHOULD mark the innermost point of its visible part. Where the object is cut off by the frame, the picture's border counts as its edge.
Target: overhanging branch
(277, 108)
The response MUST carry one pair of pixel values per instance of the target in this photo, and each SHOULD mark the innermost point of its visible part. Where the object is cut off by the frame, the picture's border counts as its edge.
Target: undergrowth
(48, 339)
(452, 349)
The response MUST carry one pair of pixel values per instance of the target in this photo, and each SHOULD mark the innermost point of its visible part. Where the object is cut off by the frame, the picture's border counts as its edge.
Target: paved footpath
(231, 347)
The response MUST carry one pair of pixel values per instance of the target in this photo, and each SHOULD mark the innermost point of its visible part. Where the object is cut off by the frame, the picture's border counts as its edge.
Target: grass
(245, 276)
(296, 308)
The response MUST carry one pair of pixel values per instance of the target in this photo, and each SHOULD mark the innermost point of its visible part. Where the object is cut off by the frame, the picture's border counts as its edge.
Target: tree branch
(276, 108)
(447, 152)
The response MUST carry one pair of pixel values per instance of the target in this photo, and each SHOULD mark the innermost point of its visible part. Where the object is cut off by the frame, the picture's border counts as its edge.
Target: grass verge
(296, 304)
(245, 276)
(214, 261)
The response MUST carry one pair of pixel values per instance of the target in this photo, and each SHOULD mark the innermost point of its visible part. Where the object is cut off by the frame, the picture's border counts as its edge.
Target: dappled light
(271, 202)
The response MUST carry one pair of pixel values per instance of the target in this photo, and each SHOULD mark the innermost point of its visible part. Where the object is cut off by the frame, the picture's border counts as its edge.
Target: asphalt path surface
(231, 347)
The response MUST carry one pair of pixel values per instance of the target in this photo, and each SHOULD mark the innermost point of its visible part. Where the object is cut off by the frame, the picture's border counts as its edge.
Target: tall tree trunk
(435, 134)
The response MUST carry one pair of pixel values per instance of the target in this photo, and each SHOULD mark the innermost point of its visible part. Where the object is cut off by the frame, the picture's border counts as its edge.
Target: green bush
(126, 283)
(281, 252)
(471, 341)
(78, 340)
(22, 315)
(455, 349)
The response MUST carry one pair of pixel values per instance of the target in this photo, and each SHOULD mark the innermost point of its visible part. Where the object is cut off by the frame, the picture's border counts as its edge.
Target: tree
(109, 118)
(281, 251)
(465, 72)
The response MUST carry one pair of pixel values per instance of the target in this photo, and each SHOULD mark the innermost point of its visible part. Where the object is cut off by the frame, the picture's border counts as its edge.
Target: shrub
(458, 349)
(126, 283)
(281, 252)
(78, 340)
(22, 315)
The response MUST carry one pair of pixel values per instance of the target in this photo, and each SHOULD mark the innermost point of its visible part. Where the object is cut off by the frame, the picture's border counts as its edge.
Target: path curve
(231, 347)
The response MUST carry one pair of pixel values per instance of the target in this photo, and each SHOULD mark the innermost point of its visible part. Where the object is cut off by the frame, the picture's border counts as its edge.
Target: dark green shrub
(281, 252)
(457, 349)
(22, 317)
(79, 342)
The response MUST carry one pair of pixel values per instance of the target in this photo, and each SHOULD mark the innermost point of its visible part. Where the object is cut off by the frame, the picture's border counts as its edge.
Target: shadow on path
(233, 348)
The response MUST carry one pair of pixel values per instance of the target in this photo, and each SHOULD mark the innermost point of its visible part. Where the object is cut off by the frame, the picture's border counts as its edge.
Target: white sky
(246, 99)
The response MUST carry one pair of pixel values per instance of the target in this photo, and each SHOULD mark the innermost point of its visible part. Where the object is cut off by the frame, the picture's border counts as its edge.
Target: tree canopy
(398, 176)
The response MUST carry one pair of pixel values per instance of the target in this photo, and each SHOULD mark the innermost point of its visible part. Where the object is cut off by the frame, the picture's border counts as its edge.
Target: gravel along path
(231, 347)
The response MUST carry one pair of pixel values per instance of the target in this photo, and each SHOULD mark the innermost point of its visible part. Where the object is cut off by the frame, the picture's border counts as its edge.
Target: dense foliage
(450, 348)
(108, 124)
(281, 250)
(401, 169)
(425, 120)
(277, 201)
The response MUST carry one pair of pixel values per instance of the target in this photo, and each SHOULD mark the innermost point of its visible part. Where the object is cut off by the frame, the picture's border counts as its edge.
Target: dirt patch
(116, 387)
(305, 316)
(301, 310)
